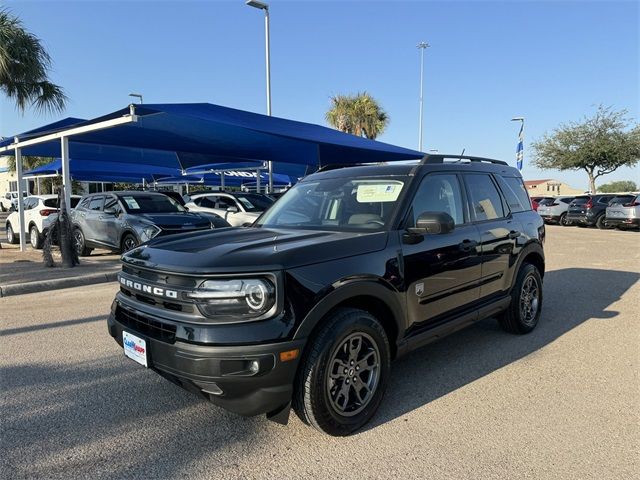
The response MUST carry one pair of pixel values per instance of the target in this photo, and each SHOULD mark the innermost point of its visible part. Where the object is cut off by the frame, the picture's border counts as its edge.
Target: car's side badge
(419, 289)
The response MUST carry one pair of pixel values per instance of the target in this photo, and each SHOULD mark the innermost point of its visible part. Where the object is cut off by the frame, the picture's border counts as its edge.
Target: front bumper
(225, 375)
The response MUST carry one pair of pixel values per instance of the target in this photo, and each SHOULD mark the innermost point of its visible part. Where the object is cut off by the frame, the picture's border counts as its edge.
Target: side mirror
(111, 211)
(232, 209)
(433, 223)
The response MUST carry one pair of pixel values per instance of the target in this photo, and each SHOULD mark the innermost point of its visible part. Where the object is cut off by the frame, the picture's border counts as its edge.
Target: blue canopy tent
(231, 178)
(200, 134)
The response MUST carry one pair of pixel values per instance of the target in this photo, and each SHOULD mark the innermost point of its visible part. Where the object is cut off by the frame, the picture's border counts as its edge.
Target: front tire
(344, 373)
(11, 236)
(129, 242)
(79, 244)
(601, 223)
(523, 312)
(563, 220)
(35, 238)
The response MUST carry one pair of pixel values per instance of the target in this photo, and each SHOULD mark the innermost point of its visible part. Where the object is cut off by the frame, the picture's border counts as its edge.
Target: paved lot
(563, 402)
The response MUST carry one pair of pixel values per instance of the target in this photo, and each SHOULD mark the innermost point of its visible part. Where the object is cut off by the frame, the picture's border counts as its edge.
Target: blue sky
(549, 61)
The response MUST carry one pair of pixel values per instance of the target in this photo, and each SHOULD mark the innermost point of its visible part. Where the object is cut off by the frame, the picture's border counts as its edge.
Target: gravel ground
(562, 402)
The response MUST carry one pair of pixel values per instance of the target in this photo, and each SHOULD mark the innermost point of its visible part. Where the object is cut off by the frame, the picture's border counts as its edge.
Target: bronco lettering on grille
(141, 287)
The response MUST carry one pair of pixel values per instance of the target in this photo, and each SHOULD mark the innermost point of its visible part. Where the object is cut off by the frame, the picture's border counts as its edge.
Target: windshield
(253, 202)
(336, 204)
(150, 204)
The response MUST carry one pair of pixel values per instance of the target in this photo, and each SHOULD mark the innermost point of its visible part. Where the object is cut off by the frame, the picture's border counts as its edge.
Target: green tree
(619, 186)
(598, 145)
(24, 66)
(358, 114)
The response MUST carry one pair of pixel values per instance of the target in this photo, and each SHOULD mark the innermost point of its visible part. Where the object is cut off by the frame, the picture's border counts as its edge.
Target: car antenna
(463, 150)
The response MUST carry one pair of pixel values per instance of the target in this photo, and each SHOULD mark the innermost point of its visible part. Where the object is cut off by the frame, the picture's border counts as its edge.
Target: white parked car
(9, 201)
(624, 212)
(40, 211)
(236, 208)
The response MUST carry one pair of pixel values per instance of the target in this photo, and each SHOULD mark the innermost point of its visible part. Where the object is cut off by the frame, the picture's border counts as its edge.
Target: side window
(96, 203)
(111, 202)
(517, 187)
(513, 201)
(29, 203)
(224, 203)
(438, 193)
(486, 203)
(85, 203)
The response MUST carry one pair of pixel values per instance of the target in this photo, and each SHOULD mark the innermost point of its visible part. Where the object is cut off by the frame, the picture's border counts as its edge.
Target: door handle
(467, 245)
(514, 234)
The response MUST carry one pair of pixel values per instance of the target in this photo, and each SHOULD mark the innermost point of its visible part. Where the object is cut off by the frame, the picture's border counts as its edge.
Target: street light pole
(422, 46)
(265, 7)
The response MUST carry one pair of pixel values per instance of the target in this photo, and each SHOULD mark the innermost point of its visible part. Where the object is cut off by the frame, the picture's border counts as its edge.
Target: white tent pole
(258, 180)
(222, 180)
(20, 233)
(66, 175)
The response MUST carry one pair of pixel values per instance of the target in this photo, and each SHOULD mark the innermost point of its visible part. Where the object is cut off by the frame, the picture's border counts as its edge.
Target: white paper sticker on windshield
(378, 192)
(131, 203)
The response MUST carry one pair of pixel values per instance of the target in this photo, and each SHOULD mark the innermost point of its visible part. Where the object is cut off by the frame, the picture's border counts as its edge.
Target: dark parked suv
(123, 220)
(350, 269)
(589, 210)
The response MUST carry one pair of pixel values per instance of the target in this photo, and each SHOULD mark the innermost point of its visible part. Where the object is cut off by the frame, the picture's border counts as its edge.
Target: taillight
(589, 204)
(47, 211)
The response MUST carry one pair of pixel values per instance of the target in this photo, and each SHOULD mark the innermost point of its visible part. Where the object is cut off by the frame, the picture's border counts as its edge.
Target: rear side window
(53, 202)
(85, 202)
(486, 203)
(604, 199)
(517, 188)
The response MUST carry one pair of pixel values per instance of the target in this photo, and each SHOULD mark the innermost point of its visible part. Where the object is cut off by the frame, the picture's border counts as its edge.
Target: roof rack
(440, 158)
(335, 166)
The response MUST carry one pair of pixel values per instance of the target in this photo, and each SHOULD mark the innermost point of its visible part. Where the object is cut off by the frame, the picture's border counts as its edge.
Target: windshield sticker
(246, 203)
(380, 192)
(131, 203)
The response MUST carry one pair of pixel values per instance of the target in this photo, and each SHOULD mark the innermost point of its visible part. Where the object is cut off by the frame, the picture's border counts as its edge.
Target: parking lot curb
(56, 284)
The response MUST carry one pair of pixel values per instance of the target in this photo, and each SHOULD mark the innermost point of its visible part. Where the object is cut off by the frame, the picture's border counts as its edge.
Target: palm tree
(24, 64)
(358, 114)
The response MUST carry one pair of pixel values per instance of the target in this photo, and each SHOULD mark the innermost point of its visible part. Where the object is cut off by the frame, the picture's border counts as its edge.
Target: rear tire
(35, 238)
(79, 244)
(343, 375)
(563, 220)
(11, 236)
(600, 222)
(526, 302)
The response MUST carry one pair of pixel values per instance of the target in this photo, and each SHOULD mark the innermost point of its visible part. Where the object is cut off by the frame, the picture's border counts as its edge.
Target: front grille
(147, 326)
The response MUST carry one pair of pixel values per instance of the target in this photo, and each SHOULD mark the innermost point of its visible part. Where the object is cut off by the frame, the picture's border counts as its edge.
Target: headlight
(245, 298)
(149, 232)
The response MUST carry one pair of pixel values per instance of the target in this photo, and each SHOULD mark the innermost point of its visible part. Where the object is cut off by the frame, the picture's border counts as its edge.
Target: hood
(251, 249)
(172, 221)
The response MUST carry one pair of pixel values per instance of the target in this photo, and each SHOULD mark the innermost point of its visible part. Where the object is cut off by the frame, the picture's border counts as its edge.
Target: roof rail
(335, 166)
(440, 158)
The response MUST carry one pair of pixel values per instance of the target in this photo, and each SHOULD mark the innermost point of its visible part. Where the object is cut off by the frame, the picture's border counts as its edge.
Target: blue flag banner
(520, 149)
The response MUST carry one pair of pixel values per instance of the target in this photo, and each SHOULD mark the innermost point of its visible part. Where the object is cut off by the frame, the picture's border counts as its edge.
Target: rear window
(546, 201)
(515, 193)
(621, 199)
(580, 200)
(53, 202)
(567, 200)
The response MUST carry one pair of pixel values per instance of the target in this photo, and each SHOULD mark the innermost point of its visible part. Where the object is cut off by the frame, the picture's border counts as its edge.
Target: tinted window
(205, 202)
(438, 193)
(85, 202)
(29, 203)
(53, 202)
(517, 187)
(580, 200)
(604, 199)
(547, 201)
(621, 199)
(157, 203)
(566, 200)
(224, 203)
(96, 203)
(254, 203)
(486, 203)
(111, 202)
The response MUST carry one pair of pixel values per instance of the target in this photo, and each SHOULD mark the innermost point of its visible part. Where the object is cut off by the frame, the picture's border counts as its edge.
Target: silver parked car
(624, 212)
(237, 208)
(554, 210)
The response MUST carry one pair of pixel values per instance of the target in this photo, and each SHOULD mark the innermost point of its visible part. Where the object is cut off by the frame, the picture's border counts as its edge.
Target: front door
(442, 271)
(109, 223)
(91, 227)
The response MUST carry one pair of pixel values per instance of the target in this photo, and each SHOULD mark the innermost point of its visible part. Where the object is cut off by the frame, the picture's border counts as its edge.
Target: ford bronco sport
(350, 269)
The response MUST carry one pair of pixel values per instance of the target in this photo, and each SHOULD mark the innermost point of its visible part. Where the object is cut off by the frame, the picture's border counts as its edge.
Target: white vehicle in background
(554, 210)
(624, 213)
(40, 211)
(9, 201)
(236, 208)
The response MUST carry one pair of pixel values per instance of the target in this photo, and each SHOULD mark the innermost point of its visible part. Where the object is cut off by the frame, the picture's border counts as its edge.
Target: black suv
(123, 220)
(350, 269)
(589, 210)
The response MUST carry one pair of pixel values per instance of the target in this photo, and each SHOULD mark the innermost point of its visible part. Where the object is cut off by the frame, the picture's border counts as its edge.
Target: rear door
(441, 271)
(498, 231)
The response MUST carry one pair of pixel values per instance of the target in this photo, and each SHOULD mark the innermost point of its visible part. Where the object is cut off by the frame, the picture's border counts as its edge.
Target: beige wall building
(550, 187)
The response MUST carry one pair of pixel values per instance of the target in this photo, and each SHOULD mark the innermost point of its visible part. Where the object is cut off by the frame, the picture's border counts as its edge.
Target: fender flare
(343, 291)
(531, 247)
